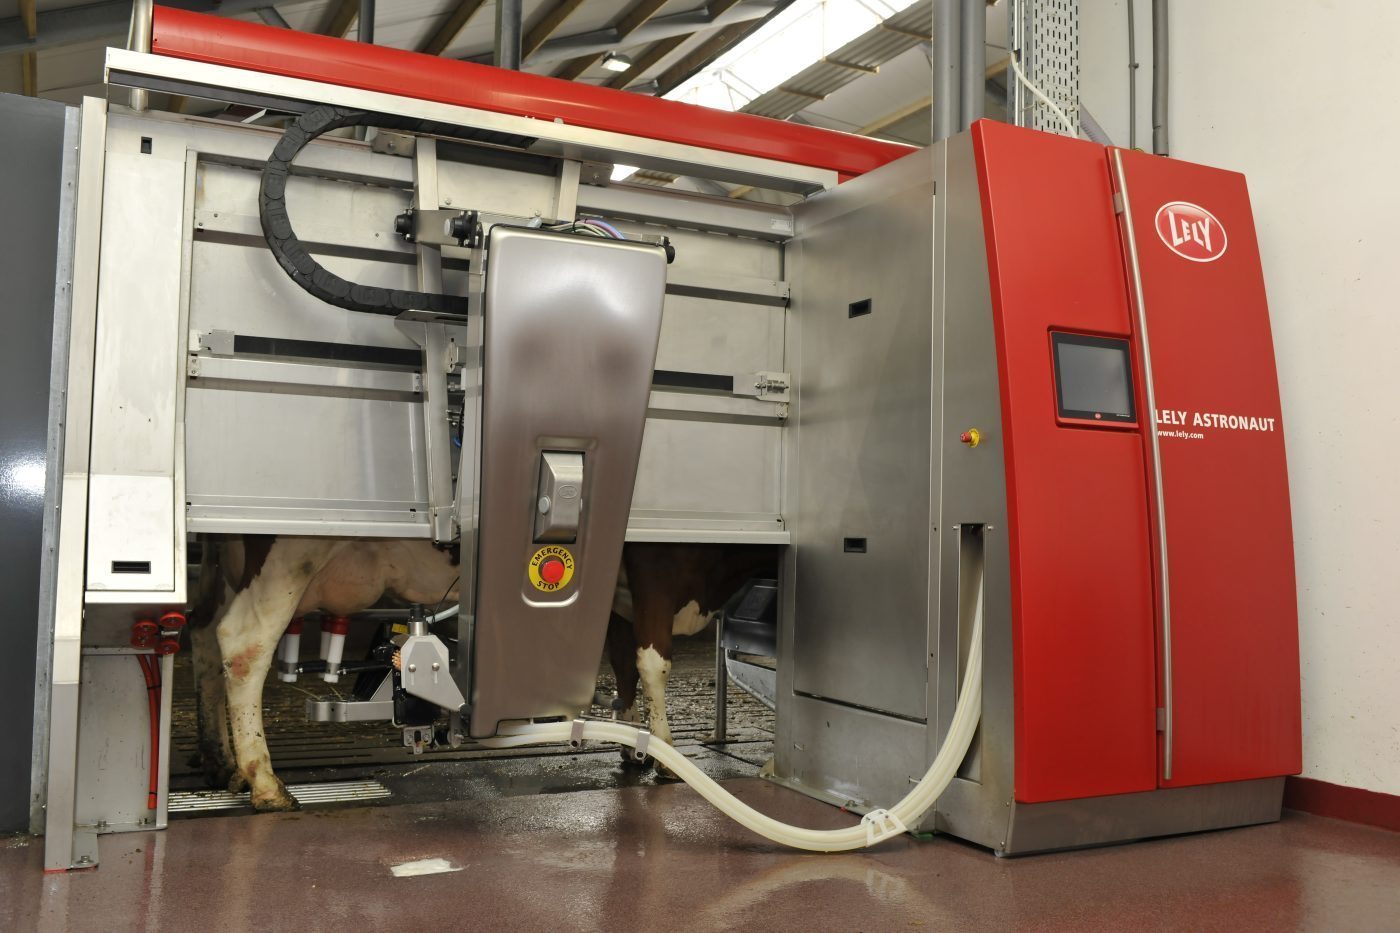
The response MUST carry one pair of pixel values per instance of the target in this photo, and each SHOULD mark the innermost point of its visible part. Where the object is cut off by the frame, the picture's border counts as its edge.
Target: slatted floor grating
(303, 751)
(199, 801)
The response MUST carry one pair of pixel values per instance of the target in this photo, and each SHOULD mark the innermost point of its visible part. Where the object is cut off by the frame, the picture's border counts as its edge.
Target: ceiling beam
(271, 17)
(627, 24)
(340, 18)
(647, 60)
(452, 27)
(598, 41)
(704, 53)
(105, 19)
(547, 27)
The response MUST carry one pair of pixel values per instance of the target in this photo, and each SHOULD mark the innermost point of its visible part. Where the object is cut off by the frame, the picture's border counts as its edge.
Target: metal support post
(138, 39)
(367, 21)
(509, 14)
(721, 685)
(973, 58)
(947, 68)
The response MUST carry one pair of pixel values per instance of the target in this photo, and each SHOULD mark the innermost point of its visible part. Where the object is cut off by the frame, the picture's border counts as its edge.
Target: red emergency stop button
(552, 570)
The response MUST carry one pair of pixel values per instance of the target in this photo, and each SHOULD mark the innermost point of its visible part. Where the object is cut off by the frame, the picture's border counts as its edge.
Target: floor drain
(197, 801)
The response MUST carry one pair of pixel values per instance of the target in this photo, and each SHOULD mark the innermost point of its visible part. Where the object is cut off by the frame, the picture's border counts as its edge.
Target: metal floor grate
(198, 801)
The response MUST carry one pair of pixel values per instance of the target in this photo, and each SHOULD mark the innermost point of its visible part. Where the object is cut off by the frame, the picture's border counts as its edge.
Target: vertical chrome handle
(1163, 572)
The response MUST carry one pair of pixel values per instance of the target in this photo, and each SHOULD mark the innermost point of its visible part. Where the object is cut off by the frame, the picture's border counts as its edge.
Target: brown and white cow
(252, 587)
(675, 589)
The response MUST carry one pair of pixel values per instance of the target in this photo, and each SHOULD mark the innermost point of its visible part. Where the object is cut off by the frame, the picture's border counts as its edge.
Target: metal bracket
(765, 386)
(576, 734)
(440, 227)
(418, 738)
(426, 672)
(643, 742)
(380, 706)
(217, 342)
(399, 144)
(881, 825)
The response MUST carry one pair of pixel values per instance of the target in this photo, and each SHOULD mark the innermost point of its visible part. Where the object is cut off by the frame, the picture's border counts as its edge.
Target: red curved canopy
(256, 47)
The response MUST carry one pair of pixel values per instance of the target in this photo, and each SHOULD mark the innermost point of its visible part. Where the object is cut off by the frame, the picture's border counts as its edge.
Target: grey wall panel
(31, 157)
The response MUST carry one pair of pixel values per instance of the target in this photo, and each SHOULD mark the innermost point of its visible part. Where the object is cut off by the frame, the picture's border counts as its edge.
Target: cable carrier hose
(293, 257)
(876, 826)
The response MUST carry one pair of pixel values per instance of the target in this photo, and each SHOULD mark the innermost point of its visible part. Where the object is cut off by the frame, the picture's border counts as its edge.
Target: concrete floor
(659, 857)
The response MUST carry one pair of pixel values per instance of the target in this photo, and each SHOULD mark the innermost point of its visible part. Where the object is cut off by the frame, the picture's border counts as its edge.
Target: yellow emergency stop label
(551, 568)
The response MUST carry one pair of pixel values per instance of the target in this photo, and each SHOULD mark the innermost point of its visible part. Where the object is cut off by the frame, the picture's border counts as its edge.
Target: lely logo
(1191, 231)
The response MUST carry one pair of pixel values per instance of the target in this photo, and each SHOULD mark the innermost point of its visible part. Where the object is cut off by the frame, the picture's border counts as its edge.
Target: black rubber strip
(670, 378)
(321, 350)
(293, 257)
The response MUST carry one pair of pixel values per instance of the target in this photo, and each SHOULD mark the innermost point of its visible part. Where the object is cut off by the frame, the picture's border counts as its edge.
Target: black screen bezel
(1124, 347)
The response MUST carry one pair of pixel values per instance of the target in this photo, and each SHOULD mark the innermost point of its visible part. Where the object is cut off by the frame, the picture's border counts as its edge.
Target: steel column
(509, 15)
(973, 57)
(947, 69)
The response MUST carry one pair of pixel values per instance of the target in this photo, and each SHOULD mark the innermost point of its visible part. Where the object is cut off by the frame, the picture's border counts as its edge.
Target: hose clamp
(881, 825)
(639, 753)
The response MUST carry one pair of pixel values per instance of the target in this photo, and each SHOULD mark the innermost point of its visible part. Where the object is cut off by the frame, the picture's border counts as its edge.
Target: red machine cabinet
(1117, 689)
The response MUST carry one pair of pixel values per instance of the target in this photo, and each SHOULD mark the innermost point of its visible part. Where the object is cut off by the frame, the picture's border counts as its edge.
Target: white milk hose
(875, 827)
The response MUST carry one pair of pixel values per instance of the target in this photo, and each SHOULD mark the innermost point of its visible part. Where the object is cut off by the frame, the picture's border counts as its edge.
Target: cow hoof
(217, 776)
(277, 802)
(237, 783)
(664, 773)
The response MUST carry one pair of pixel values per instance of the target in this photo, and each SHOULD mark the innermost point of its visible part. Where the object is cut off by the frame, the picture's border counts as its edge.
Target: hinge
(1118, 206)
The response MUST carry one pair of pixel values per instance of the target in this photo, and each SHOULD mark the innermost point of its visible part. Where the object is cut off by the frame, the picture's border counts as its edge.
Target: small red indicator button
(971, 437)
(552, 570)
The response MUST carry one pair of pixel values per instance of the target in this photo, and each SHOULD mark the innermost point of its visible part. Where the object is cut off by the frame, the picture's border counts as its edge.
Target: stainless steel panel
(973, 492)
(859, 759)
(1069, 824)
(863, 444)
(571, 327)
(114, 747)
(311, 457)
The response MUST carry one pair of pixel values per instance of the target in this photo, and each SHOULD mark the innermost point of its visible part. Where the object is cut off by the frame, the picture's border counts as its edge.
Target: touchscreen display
(1094, 376)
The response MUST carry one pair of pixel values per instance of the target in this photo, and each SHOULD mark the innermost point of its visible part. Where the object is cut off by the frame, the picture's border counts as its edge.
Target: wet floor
(660, 858)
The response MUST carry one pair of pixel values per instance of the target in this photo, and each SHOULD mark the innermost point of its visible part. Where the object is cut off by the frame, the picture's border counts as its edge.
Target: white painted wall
(1303, 97)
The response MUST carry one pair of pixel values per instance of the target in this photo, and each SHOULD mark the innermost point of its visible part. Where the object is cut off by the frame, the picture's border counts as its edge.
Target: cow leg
(654, 664)
(622, 655)
(248, 636)
(215, 752)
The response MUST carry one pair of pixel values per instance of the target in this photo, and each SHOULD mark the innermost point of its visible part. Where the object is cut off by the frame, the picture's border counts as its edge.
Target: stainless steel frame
(206, 393)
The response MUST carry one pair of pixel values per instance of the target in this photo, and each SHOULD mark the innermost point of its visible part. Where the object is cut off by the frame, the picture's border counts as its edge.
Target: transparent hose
(905, 813)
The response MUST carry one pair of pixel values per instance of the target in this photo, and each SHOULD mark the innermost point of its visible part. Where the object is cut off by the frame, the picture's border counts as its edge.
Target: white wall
(1303, 97)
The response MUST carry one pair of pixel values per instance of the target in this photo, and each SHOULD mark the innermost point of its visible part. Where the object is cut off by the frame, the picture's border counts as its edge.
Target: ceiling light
(617, 62)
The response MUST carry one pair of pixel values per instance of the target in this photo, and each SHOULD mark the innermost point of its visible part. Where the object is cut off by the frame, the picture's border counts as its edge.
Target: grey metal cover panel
(571, 330)
(31, 176)
(862, 519)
